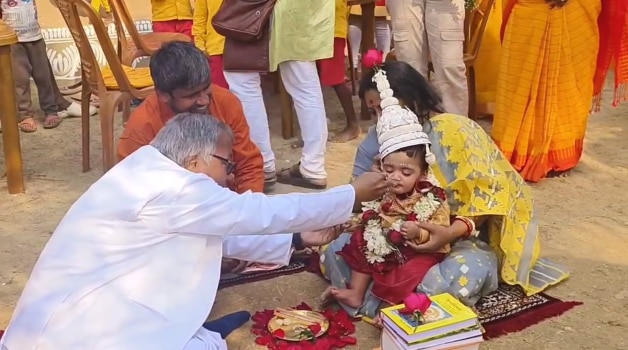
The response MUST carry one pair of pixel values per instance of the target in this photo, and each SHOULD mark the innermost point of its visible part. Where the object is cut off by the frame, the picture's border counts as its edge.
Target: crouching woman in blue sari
(481, 186)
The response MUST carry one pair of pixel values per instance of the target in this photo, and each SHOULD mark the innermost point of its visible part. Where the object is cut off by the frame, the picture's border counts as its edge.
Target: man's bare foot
(346, 135)
(349, 297)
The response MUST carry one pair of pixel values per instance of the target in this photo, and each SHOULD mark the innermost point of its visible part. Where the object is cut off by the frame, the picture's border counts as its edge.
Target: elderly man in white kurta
(135, 262)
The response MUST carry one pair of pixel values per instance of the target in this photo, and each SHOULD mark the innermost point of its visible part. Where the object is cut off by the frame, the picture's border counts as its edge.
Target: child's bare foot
(346, 135)
(326, 297)
(349, 297)
(377, 322)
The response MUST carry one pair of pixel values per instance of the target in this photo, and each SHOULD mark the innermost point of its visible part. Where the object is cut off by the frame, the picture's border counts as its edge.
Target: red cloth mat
(341, 327)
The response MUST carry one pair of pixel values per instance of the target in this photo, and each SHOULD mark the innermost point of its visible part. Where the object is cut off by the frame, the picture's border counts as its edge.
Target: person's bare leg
(352, 130)
(354, 295)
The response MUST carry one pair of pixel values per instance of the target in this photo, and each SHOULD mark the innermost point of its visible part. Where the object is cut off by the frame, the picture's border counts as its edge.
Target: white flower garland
(376, 237)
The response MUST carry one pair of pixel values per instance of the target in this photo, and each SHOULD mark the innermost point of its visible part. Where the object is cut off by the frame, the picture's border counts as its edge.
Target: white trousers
(382, 36)
(424, 28)
(302, 83)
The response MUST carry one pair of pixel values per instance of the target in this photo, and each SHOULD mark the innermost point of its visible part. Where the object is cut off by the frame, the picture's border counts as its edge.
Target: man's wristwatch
(297, 241)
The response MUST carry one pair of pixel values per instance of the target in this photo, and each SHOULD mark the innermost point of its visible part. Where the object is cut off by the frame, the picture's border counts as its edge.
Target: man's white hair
(189, 135)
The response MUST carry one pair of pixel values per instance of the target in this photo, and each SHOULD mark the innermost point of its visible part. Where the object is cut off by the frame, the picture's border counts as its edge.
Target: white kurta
(135, 262)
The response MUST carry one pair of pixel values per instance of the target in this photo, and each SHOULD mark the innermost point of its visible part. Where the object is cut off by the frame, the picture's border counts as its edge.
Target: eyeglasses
(230, 165)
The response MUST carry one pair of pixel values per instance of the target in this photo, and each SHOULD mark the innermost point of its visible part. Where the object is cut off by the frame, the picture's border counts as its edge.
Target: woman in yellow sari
(481, 185)
(545, 83)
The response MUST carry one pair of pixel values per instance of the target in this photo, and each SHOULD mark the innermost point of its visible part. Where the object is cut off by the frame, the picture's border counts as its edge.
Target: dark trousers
(31, 61)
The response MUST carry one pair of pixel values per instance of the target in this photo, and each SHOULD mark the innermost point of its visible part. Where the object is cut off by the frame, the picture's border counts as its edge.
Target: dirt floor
(584, 224)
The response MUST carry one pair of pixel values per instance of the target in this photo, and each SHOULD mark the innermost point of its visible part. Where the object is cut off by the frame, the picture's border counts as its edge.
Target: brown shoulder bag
(243, 20)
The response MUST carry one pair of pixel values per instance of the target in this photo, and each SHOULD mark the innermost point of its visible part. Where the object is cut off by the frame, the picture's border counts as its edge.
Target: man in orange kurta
(182, 84)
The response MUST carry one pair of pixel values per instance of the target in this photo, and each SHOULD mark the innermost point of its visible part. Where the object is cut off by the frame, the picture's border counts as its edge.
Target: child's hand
(410, 230)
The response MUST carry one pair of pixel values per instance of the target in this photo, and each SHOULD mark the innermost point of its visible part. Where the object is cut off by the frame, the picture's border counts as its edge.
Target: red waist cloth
(392, 281)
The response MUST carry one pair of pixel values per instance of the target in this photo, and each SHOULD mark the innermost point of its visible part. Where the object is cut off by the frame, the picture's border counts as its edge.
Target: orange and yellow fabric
(545, 84)
(170, 10)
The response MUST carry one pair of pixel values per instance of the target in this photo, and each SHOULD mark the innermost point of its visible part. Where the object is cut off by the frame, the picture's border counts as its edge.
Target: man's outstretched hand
(370, 186)
(321, 237)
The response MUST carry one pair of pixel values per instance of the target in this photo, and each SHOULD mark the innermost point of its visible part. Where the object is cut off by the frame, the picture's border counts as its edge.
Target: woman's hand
(440, 236)
(556, 3)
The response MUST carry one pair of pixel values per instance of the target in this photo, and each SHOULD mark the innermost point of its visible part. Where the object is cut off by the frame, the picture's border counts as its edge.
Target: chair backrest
(70, 10)
(125, 24)
(474, 26)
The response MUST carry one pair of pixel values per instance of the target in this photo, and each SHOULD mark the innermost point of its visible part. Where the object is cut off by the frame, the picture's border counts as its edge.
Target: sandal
(27, 125)
(292, 176)
(52, 121)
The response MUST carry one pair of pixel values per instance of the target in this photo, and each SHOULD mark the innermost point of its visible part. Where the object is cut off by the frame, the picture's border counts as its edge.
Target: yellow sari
(545, 84)
(480, 182)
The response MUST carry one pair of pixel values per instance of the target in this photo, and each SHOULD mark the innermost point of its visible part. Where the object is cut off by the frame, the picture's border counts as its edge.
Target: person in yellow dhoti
(487, 62)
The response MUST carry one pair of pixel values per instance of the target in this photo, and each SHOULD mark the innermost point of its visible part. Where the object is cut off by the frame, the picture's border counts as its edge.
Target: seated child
(384, 244)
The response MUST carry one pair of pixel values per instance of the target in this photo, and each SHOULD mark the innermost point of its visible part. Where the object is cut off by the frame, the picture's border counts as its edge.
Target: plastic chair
(111, 97)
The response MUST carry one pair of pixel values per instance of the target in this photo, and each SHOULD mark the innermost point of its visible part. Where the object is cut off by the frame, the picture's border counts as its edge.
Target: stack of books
(448, 324)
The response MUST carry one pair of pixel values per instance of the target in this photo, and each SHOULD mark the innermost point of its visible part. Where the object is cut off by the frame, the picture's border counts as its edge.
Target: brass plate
(293, 328)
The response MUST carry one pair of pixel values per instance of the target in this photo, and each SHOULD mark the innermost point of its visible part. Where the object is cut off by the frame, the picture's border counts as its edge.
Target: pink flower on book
(416, 304)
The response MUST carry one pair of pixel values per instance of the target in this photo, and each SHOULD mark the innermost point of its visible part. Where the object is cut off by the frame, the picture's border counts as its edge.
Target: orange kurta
(545, 84)
(152, 115)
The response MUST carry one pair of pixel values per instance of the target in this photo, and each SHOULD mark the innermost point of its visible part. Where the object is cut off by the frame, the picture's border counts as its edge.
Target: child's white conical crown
(397, 127)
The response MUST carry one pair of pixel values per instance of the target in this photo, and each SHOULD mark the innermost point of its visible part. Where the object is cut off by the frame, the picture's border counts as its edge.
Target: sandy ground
(583, 222)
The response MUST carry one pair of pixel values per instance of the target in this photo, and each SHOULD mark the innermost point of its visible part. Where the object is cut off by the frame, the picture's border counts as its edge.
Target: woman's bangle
(470, 226)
